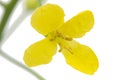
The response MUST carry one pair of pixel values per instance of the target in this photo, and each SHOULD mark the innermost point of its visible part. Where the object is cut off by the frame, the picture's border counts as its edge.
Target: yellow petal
(40, 53)
(80, 57)
(47, 18)
(78, 25)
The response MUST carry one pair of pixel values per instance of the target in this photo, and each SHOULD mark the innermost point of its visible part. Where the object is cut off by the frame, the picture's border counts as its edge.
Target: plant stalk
(19, 64)
(8, 10)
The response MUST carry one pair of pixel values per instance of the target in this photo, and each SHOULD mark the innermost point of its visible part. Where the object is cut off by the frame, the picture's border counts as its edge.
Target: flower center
(52, 36)
(60, 38)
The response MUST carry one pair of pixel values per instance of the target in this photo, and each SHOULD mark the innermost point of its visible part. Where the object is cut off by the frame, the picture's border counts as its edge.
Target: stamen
(63, 36)
(67, 38)
(52, 36)
(60, 50)
(67, 48)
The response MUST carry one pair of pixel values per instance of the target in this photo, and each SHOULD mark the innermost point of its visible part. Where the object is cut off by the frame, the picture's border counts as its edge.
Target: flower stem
(8, 10)
(9, 58)
(2, 4)
(15, 25)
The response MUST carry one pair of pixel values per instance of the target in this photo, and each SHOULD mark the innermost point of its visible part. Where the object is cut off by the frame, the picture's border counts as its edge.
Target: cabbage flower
(48, 20)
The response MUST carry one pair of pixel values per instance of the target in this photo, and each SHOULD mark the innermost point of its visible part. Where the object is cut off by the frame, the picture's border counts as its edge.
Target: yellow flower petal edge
(80, 57)
(49, 21)
(40, 52)
(78, 25)
(47, 18)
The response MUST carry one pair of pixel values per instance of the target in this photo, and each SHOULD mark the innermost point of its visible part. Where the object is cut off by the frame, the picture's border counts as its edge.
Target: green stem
(15, 25)
(8, 10)
(9, 58)
(2, 4)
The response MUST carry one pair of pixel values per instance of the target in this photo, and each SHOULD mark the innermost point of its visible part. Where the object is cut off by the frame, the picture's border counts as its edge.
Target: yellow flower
(49, 21)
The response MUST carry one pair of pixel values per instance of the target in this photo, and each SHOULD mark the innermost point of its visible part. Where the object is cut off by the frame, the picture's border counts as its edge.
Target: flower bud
(32, 4)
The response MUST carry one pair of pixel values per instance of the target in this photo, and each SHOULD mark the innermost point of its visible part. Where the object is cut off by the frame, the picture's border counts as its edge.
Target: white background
(104, 39)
